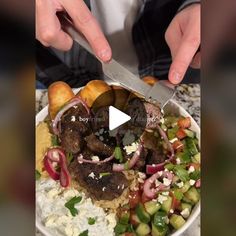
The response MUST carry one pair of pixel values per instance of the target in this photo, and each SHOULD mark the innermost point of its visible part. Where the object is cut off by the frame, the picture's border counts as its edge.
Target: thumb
(187, 49)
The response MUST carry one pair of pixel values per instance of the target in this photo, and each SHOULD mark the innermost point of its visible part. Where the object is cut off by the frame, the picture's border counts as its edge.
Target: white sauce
(50, 201)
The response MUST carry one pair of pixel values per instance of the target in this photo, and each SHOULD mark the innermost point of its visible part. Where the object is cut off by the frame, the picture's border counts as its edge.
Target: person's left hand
(183, 39)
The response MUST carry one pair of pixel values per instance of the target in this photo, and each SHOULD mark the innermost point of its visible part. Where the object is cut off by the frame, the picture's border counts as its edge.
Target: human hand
(183, 39)
(49, 30)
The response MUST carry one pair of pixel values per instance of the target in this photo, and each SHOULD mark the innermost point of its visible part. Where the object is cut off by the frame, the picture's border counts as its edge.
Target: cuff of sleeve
(187, 3)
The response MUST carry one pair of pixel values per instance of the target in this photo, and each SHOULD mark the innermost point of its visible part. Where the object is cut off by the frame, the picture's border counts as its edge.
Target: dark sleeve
(149, 36)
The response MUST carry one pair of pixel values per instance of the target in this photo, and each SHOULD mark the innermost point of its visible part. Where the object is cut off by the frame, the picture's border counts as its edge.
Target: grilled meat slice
(97, 146)
(71, 140)
(107, 187)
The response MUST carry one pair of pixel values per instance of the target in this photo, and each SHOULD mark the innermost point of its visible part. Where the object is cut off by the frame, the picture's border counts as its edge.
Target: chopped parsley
(85, 233)
(118, 154)
(71, 205)
(54, 140)
(37, 175)
(104, 174)
(91, 221)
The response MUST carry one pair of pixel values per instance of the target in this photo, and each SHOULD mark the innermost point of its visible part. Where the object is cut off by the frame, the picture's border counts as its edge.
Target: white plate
(173, 107)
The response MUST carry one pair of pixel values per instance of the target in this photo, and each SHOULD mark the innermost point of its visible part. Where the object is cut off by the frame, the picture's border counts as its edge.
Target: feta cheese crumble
(191, 169)
(185, 213)
(161, 198)
(95, 158)
(51, 211)
(192, 182)
(131, 148)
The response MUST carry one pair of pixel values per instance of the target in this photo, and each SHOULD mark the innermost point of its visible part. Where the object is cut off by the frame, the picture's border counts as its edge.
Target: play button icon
(117, 118)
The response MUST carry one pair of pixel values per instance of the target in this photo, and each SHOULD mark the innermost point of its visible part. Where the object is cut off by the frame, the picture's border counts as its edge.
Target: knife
(160, 93)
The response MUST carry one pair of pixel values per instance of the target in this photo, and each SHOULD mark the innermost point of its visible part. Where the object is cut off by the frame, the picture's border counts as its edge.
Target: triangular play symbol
(117, 118)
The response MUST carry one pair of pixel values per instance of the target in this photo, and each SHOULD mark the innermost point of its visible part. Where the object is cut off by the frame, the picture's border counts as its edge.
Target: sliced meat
(153, 115)
(78, 118)
(155, 157)
(71, 140)
(101, 119)
(97, 146)
(107, 187)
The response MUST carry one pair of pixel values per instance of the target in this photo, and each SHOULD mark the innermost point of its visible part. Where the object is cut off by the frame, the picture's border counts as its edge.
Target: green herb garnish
(54, 140)
(118, 154)
(91, 221)
(126, 165)
(104, 174)
(71, 205)
(37, 175)
(85, 233)
(69, 157)
(181, 173)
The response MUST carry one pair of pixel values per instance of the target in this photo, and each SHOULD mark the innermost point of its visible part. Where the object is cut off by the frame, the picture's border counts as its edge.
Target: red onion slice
(82, 160)
(152, 169)
(73, 102)
(169, 145)
(50, 168)
(151, 192)
(132, 162)
(58, 156)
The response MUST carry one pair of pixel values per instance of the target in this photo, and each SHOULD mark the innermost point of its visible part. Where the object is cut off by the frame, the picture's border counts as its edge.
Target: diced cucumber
(152, 207)
(159, 220)
(170, 121)
(186, 200)
(186, 187)
(185, 205)
(178, 194)
(177, 221)
(192, 194)
(189, 133)
(171, 133)
(142, 214)
(185, 156)
(169, 166)
(143, 229)
(124, 217)
(120, 229)
(157, 232)
(166, 205)
(192, 148)
(197, 158)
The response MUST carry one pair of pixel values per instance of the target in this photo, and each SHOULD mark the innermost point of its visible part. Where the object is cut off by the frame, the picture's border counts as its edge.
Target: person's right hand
(49, 31)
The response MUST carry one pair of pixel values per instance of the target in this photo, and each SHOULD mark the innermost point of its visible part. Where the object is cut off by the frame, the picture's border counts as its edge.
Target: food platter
(172, 107)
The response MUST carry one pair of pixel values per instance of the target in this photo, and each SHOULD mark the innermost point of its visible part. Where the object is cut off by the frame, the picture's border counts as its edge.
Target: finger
(196, 62)
(185, 54)
(173, 37)
(87, 24)
(48, 28)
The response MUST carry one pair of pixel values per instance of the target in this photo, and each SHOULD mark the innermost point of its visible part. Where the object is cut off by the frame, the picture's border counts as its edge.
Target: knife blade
(160, 93)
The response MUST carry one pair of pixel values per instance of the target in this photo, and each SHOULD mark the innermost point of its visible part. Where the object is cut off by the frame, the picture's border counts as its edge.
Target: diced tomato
(175, 202)
(145, 198)
(181, 134)
(133, 219)
(128, 234)
(184, 123)
(178, 145)
(134, 198)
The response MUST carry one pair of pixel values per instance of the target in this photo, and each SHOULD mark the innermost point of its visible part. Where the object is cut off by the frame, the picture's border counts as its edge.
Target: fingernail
(105, 54)
(176, 77)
